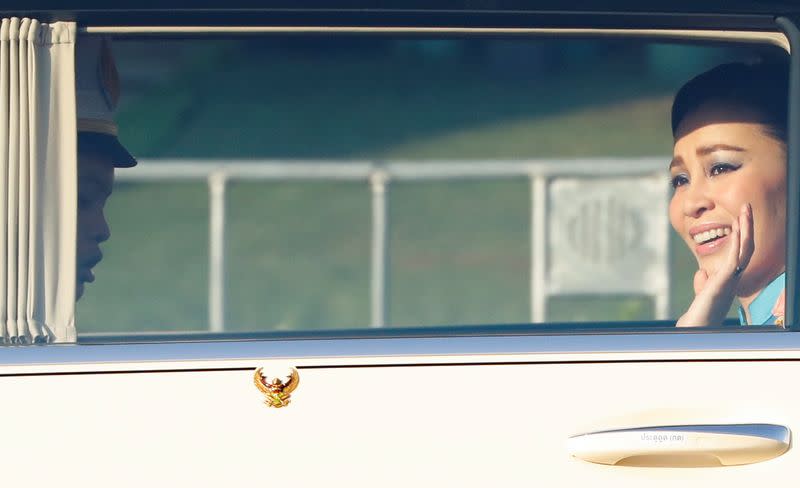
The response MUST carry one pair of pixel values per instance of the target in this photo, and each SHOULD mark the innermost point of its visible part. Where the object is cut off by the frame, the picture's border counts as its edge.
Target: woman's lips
(711, 247)
(709, 237)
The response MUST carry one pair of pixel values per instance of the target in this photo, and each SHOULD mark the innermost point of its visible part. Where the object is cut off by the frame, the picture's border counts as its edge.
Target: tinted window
(525, 180)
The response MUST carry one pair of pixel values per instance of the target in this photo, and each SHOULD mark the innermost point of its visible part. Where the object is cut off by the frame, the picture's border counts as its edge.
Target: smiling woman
(729, 203)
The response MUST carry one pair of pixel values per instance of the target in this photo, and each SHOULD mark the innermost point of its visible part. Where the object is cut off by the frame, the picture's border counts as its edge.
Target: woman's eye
(679, 180)
(719, 168)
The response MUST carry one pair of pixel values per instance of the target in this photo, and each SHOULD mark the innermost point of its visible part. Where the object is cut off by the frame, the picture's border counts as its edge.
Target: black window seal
(790, 29)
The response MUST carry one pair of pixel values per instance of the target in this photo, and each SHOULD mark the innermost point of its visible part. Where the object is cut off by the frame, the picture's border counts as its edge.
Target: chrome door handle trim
(682, 445)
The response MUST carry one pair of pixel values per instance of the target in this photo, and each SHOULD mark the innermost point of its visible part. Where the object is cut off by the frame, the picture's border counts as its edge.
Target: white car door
(463, 411)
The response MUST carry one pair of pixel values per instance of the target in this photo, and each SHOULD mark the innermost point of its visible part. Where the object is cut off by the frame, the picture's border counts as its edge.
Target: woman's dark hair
(760, 87)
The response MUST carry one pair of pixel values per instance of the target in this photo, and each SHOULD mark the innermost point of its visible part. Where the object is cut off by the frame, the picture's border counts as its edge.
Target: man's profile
(99, 150)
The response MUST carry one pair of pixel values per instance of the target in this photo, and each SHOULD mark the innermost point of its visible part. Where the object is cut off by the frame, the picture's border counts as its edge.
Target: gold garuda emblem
(277, 391)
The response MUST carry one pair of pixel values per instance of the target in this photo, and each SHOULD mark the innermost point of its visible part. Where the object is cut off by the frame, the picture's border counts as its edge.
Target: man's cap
(97, 91)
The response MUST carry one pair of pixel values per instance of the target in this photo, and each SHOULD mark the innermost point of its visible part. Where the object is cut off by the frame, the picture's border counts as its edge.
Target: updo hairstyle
(761, 87)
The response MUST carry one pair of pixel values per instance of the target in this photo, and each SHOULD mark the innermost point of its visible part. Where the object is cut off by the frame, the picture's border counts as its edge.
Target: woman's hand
(715, 292)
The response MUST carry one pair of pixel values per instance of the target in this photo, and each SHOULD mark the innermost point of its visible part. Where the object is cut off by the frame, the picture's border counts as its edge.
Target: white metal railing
(378, 175)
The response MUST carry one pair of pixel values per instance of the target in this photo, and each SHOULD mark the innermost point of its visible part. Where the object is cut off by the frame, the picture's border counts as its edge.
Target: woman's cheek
(733, 196)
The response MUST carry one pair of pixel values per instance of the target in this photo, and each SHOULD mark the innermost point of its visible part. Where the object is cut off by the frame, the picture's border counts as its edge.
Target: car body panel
(466, 419)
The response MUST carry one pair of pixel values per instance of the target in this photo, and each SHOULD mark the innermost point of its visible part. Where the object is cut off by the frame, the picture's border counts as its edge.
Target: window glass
(498, 181)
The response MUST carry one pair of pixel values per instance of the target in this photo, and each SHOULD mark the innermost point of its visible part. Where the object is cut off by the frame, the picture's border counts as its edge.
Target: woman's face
(723, 158)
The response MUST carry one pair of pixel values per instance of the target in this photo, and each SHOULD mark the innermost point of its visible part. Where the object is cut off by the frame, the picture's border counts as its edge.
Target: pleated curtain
(38, 181)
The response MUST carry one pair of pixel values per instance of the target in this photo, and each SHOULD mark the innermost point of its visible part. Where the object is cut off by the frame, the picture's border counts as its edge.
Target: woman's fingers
(746, 243)
(700, 278)
(732, 259)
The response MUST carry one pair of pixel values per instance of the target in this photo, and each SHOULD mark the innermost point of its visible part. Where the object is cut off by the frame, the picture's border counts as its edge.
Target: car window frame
(785, 36)
(785, 26)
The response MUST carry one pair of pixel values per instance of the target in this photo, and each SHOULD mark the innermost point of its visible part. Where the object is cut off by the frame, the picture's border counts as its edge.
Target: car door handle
(682, 445)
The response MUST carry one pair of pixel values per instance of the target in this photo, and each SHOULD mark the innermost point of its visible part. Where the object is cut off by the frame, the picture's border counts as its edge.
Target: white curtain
(38, 181)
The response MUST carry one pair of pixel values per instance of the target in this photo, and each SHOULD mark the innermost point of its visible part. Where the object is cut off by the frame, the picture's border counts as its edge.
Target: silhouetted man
(99, 150)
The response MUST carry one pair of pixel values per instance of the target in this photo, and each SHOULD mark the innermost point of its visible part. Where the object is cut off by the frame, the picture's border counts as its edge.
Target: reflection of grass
(299, 255)
(389, 105)
(298, 258)
(154, 275)
(151, 118)
(599, 308)
(460, 253)
(624, 129)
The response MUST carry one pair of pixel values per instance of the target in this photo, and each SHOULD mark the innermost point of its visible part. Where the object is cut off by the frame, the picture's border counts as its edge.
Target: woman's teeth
(711, 234)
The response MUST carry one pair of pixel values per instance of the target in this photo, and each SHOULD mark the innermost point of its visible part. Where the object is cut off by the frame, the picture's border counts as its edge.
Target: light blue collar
(761, 308)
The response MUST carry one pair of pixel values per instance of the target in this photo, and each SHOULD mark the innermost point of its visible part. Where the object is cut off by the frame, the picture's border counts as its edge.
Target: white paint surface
(428, 425)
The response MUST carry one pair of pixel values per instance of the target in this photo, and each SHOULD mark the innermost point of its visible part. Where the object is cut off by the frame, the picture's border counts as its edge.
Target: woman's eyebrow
(705, 150)
(676, 162)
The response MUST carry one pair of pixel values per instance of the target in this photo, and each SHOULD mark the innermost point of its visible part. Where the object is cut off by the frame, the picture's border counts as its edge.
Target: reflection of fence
(598, 226)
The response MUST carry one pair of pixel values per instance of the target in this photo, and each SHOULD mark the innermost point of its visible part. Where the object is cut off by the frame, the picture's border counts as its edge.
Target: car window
(305, 183)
